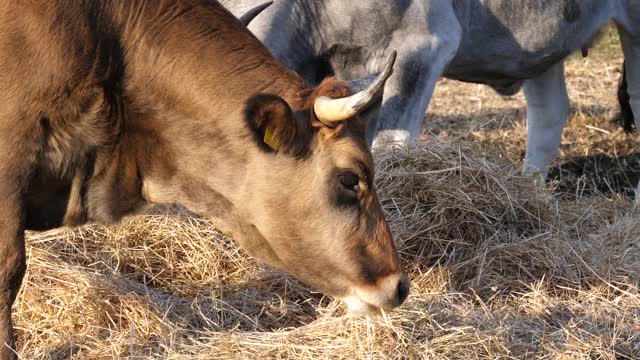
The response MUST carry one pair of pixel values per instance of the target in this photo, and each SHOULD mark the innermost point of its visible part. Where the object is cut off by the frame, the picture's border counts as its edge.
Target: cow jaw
(355, 305)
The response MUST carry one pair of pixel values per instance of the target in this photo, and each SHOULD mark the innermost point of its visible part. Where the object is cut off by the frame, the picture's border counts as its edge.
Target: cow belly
(501, 84)
(506, 76)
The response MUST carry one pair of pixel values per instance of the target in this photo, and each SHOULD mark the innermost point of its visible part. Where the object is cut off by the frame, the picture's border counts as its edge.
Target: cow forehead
(350, 152)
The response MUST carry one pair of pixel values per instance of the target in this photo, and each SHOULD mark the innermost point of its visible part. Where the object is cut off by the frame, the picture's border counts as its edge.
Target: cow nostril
(403, 290)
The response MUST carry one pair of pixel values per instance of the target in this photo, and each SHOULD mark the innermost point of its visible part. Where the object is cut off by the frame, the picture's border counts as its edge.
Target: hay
(486, 223)
(499, 269)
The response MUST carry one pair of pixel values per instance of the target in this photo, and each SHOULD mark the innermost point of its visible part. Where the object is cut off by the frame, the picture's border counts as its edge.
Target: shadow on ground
(597, 174)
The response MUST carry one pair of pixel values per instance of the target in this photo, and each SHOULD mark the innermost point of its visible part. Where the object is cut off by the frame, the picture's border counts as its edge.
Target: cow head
(313, 202)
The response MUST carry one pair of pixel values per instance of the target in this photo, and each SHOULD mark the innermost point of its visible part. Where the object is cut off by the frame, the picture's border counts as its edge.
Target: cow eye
(350, 181)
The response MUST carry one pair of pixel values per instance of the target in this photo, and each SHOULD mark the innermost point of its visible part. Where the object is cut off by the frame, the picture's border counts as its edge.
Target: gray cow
(507, 44)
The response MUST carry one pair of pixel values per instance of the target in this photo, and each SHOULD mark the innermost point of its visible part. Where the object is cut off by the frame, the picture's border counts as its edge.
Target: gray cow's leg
(631, 49)
(424, 51)
(405, 100)
(547, 111)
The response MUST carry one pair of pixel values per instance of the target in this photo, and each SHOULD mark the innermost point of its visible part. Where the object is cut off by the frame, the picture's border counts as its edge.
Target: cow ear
(274, 126)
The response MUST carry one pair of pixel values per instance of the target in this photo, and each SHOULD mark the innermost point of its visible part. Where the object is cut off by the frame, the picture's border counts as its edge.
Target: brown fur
(109, 105)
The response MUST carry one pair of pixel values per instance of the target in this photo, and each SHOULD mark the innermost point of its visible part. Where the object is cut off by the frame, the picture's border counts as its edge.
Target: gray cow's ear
(247, 17)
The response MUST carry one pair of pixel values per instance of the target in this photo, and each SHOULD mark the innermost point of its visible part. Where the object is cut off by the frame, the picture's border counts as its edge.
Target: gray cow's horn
(329, 110)
(247, 17)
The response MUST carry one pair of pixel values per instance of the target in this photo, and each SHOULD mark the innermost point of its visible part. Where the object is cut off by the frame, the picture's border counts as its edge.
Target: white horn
(247, 17)
(329, 110)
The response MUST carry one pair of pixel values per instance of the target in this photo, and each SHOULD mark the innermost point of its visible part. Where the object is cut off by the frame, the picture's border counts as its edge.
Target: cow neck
(190, 70)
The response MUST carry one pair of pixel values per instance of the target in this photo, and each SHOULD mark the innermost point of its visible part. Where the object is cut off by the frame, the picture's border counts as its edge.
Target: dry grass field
(500, 269)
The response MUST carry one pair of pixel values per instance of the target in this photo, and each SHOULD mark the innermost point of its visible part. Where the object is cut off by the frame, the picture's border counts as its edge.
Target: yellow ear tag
(270, 140)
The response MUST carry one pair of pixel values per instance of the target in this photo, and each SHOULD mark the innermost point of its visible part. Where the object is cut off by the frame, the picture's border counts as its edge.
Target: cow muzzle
(389, 293)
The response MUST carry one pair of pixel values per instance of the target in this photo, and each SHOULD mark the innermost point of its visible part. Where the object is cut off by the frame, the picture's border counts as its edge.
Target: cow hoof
(389, 139)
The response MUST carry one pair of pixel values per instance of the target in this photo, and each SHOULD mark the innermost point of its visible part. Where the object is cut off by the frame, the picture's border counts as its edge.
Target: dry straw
(500, 269)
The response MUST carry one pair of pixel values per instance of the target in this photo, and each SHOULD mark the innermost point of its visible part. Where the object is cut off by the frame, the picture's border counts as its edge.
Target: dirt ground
(500, 268)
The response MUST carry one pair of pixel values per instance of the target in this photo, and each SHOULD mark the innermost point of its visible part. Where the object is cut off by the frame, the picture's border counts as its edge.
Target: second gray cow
(507, 44)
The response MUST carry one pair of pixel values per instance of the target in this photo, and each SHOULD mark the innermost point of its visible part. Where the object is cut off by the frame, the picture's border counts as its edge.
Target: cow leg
(631, 49)
(422, 58)
(406, 97)
(19, 153)
(12, 263)
(547, 111)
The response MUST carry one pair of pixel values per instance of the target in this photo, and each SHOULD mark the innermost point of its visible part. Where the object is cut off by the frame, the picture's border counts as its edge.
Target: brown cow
(106, 106)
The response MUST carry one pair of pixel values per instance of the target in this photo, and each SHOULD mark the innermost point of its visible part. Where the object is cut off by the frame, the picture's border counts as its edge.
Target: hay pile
(499, 269)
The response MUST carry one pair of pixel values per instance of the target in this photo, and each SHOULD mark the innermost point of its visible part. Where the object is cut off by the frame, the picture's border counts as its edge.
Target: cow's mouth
(389, 293)
(355, 305)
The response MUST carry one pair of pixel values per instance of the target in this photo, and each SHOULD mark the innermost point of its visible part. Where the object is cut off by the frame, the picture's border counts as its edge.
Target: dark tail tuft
(625, 118)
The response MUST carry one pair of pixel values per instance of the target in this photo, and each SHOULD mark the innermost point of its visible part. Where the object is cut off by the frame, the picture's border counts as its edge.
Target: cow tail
(625, 118)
